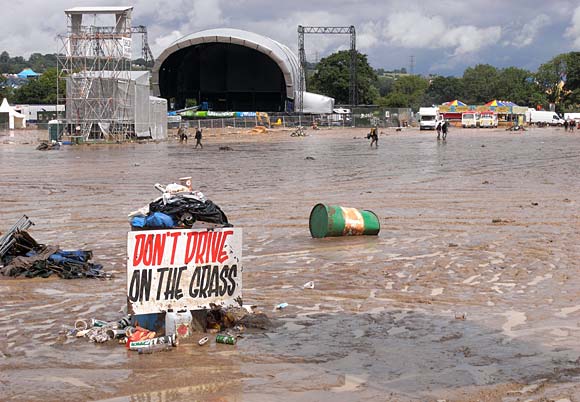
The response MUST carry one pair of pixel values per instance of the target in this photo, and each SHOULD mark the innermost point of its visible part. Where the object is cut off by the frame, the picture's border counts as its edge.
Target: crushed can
(124, 322)
(99, 323)
(115, 333)
(226, 339)
(146, 343)
(154, 349)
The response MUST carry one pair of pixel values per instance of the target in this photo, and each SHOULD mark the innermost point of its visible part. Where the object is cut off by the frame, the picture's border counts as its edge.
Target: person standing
(198, 136)
(438, 128)
(566, 125)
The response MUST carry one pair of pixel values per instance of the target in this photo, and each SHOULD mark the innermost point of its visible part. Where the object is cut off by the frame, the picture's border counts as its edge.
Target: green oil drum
(334, 220)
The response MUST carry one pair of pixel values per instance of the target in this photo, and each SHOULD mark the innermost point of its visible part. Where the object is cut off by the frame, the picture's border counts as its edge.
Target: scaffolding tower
(350, 30)
(95, 63)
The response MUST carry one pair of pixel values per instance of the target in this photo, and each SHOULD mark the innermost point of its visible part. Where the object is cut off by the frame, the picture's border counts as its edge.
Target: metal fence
(361, 117)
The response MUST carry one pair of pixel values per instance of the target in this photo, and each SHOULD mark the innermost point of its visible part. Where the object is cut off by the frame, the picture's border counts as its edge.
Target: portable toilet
(55, 128)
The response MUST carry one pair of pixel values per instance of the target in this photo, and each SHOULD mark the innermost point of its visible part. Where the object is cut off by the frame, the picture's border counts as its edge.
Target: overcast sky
(443, 36)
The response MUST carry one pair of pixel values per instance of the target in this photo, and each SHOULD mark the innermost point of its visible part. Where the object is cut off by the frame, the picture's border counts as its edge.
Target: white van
(469, 119)
(428, 117)
(488, 119)
(542, 117)
(572, 116)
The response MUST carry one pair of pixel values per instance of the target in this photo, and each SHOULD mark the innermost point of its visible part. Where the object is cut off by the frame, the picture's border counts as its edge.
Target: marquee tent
(27, 73)
(454, 103)
(499, 103)
(10, 117)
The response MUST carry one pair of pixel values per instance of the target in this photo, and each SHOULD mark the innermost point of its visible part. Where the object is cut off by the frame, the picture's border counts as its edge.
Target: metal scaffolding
(95, 62)
(352, 90)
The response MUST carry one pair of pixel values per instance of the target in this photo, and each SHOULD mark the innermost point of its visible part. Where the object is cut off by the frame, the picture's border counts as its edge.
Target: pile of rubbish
(177, 207)
(48, 147)
(228, 325)
(21, 255)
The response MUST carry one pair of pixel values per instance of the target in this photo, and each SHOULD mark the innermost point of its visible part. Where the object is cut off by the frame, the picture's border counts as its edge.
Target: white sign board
(183, 269)
(127, 44)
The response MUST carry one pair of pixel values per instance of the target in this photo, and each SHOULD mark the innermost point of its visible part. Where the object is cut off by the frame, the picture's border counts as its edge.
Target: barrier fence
(363, 118)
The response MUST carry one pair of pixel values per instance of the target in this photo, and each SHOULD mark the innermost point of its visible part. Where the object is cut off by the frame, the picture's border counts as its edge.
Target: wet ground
(470, 292)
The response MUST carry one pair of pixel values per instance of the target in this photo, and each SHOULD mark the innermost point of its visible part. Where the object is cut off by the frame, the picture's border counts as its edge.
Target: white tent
(8, 114)
(318, 104)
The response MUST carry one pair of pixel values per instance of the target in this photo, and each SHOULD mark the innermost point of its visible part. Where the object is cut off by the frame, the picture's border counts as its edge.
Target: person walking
(566, 124)
(438, 128)
(198, 136)
(374, 136)
(182, 135)
(444, 129)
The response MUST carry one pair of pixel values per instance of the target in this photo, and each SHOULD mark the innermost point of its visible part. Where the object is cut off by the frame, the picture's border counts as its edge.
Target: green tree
(384, 85)
(480, 84)
(41, 90)
(5, 91)
(518, 85)
(332, 78)
(443, 89)
(413, 87)
(549, 76)
(407, 91)
(394, 99)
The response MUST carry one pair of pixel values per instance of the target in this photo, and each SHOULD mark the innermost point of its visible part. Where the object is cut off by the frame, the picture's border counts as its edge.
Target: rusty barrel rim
(318, 221)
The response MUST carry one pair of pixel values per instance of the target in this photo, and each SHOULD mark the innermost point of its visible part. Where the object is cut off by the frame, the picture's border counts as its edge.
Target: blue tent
(27, 73)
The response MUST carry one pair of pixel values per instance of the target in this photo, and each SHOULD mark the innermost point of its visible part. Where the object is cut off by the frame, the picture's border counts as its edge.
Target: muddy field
(484, 226)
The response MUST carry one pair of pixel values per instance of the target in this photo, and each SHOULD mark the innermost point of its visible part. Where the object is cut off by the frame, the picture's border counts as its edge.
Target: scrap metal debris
(21, 255)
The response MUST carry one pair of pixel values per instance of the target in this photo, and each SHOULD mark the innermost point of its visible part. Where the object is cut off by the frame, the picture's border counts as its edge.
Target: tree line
(41, 90)
(555, 82)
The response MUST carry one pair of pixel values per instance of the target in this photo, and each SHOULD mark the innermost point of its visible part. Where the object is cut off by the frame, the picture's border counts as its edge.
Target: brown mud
(470, 292)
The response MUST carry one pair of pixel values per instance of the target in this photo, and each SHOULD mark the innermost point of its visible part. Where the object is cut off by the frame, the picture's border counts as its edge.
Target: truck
(543, 117)
(572, 116)
(428, 118)
(488, 119)
(469, 119)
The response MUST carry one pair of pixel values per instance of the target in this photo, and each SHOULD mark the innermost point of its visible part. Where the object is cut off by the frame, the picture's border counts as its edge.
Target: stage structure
(95, 61)
(302, 30)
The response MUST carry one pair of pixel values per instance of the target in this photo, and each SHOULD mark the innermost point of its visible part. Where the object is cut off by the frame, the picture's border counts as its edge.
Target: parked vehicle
(572, 116)
(340, 117)
(428, 118)
(542, 117)
(470, 119)
(488, 119)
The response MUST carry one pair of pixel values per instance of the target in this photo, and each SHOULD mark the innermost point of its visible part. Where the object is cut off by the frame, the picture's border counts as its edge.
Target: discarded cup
(308, 285)
(281, 306)
(250, 308)
(460, 316)
(203, 341)
(81, 325)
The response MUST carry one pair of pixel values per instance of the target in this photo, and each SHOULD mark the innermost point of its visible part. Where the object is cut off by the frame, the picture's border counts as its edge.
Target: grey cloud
(446, 35)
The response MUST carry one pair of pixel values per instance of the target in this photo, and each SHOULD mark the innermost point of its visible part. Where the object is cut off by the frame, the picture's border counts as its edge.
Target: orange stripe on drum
(354, 223)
